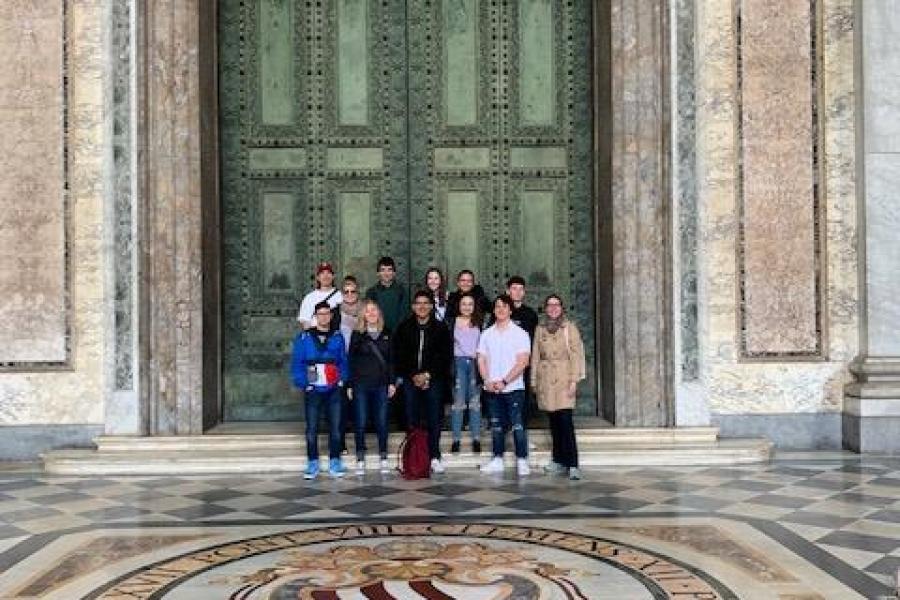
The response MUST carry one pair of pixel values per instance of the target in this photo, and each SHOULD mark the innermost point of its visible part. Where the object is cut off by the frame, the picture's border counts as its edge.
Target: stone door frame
(179, 229)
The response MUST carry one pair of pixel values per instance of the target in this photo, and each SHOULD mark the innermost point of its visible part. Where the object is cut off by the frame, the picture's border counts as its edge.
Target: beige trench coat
(554, 366)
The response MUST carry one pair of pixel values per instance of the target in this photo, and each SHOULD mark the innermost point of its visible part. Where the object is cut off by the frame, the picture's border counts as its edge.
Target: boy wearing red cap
(324, 292)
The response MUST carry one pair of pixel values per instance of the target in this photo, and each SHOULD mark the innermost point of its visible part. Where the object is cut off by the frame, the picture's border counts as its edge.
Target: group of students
(439, 344)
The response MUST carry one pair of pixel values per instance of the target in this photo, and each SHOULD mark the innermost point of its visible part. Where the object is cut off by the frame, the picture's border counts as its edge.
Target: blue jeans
(466, 394)
(371, 400)
(317, 402)
(506, 412)
(424, 407)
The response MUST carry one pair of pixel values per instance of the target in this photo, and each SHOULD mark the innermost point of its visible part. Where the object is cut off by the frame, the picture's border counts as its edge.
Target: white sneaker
(522, 467)
(437, 465)
(384, 466)
(360, 467)
(495, 465)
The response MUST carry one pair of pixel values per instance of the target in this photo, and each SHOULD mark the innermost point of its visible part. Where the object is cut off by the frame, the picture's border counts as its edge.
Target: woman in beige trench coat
(557, 365)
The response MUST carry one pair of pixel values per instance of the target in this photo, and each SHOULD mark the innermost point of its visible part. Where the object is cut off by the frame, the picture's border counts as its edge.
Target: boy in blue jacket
(319, 367)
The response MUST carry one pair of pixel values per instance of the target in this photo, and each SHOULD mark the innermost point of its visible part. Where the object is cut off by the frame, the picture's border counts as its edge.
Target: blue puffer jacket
(309, 351)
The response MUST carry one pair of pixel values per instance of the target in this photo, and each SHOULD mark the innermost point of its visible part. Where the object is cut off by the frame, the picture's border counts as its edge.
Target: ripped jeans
(506, 412)
(466, 394)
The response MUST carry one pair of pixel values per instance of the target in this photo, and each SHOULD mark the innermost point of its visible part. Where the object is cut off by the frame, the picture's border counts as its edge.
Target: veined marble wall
(725, 380)
(73, 392)
(772, 380)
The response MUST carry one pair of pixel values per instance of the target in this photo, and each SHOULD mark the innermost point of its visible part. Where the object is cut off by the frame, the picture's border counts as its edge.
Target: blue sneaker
(336, 468)
(312, 469)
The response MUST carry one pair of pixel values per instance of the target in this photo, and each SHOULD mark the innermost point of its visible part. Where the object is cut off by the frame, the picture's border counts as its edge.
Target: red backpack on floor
(414, 460)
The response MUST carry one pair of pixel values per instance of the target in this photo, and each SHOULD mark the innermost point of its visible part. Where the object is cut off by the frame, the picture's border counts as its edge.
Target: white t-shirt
(308, 306)
(500, 347)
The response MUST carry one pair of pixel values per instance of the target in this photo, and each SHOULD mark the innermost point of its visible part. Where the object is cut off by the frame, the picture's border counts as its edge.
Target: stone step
(588, 438)
(285, 460)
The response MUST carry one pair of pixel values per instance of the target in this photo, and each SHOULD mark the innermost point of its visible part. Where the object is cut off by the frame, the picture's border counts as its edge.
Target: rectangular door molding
(522, 138)
(313, 136)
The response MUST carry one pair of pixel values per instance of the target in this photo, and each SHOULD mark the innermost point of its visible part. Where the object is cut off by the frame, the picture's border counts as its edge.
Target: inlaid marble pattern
(33, 286)
(810, 526)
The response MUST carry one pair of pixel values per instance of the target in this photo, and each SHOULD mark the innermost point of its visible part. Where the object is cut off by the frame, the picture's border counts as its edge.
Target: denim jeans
(371, 400)
(328, 401)
(425, 407)
(466, 394)
(506, 412)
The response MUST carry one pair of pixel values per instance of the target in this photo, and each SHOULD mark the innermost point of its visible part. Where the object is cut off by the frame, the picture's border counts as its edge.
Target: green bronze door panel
(454, 133)
(500, 148)
(313, 130)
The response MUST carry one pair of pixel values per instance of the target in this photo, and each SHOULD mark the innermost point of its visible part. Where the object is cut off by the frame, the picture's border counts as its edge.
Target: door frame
(179, 225)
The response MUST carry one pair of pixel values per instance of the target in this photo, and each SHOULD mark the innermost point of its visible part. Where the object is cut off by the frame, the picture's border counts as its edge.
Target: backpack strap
(377, 352)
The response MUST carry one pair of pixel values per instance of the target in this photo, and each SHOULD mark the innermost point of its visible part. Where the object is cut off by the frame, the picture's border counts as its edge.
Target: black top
(366, 368)
(436, 352)
(525, 317)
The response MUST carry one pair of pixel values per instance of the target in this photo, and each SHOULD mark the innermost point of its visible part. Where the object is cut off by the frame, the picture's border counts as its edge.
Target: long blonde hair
(361, 325)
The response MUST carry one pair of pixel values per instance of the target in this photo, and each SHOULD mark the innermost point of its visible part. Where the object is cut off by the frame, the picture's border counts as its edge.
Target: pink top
(465, 341)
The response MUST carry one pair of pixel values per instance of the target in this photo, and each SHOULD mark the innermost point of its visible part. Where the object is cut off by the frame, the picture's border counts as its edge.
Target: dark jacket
(309, 351)
(393, 302)
(366, 368)
(483, 303)
(526, 318)
(437, 349)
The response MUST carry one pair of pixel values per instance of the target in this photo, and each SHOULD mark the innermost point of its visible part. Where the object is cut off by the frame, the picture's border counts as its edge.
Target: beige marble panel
(778, 204)
(74, 396)
(32, 191)
(730, 384)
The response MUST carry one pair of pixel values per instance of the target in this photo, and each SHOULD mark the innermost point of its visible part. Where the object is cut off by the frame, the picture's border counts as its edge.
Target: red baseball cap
(324, 266)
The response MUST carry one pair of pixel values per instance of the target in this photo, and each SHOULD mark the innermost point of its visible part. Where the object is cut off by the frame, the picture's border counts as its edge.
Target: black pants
(562, 430)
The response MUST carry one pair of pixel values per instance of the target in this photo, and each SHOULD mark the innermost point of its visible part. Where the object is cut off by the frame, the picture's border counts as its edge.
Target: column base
(871, 418)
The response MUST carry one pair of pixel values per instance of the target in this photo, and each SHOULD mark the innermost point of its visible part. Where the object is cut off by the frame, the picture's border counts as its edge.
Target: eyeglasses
(346, 292)
(422, 303)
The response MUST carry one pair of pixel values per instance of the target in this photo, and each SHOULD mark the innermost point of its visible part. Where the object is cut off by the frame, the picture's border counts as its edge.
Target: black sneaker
(454, 447)
(476, 447)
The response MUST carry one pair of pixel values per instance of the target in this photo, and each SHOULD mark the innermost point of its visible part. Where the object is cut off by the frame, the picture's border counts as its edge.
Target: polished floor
(805, 526)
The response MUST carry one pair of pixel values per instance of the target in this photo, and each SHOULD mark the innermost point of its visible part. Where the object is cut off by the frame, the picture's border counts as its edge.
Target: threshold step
(260, 460)
(587, 438)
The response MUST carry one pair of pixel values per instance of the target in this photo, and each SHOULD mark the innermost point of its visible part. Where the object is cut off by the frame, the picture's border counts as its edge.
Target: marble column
(871, 419)
(170, 227)
(641, 200)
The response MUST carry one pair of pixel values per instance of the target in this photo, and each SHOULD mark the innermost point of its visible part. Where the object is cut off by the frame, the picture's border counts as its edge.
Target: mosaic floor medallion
(419, 561)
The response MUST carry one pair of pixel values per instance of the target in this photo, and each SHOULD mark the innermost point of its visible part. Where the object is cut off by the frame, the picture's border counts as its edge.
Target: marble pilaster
(872, 404)
(171, 229)
(641, 197)
(122, 414)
